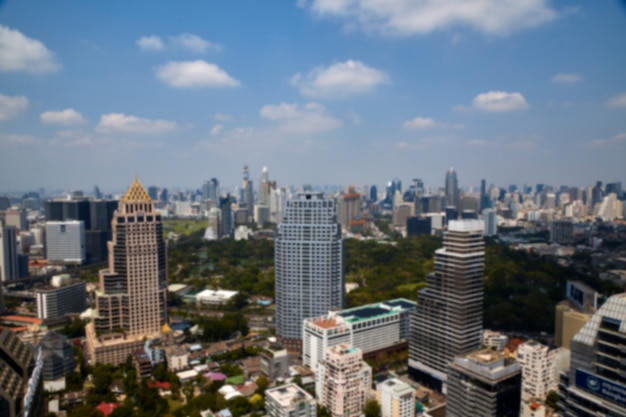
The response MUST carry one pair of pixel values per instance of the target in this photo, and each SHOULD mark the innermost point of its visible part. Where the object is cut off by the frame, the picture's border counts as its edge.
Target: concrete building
(58, 357)
(309, 265)
(449, 316)
(452, 188)
(495, 340)
(289, 401)
(416, 226)
(65, 242)
(274, 362)
(342, 381)
(396, 398)
(562, 232)
(16, 217)
(64, 295)
(491, 222)
(177, 358)
(538, 370)
(132, 299)
(572, 313)
(372, 328)
(484, 383)
(9, 270)
(349, 207)
(214, 297)
(596, 382)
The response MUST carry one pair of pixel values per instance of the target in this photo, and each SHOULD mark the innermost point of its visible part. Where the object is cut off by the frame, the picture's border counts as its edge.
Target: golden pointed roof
(166, 328)
(136, 193)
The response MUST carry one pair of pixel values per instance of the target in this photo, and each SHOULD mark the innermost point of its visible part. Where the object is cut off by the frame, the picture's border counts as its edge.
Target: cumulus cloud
(411, 17)
(11, 106)
(617, 101)
(293, 119)
(189, 41)
(566, 78)
(499, 101)
(150, 43)
(65, 117)
(339, 80)
(195, 74)
(20, 53)
(121, 123)
(215, 130)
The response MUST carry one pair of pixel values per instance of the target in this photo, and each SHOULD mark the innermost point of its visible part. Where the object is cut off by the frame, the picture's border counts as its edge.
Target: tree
(552, 399)
(372, 408)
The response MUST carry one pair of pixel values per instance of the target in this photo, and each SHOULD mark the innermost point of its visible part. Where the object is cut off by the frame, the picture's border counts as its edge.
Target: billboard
(601, 387)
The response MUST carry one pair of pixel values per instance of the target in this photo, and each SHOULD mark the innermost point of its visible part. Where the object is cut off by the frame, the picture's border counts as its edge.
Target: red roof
(159, 385)
(107, 408)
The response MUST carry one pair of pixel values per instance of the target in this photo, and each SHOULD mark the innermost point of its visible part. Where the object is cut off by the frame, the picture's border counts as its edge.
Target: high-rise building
(264, 188)
(65, 242)
(373, 194)
(491, 222)
(308, 264)
(538, 370)
(396, 398)
(342, 381)
(596, 382)
(289, 401)
(247, 192)
(16, 217)
(484, 383)
(226, 227)
(562, 231)
(132, 302)
(214, 190)
(452, 188)
(416, 226)
(449, 316)
(63, 296)
(58, 356)
(8, 254)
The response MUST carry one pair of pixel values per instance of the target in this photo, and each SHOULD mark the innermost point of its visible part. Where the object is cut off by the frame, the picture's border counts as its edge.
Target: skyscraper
(247, 192)
(226, 227)
(449, 316)
(8, 253)
(452, 188)
(214, 190)
(309, 265)
(132, 300)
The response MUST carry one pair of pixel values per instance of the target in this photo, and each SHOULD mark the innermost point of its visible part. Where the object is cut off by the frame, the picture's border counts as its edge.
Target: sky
(319, 91)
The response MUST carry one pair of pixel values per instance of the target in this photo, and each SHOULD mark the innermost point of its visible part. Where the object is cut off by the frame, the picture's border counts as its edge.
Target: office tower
(401, 212)
(491, 222)
(289, 401)
(261, 214)
(614, 187)
(452, 188)
(214, 189)
(539, 188)
(484, 197)
(21, 387)
(153, 193)
(574, 312)
(247, 192)
(164, 195)
(596, 382)
(349, 207)
(452, 213)
(609, 208)
(597, 193)
(539, 375)
(226, 228)
(16, 217)
(449, 316)
(378, 327)
(373, 194)
(264, 188)
(396, 398)
(101, 213)
(342, 381)
(416, 226)
(65, 242)
(132, 302)
(206, 189)
(469, 215)
(8, 254)
(562, 232)
(484, 383)
(213, 230)
(5, 202)
(64, 295)
(308, 264)
(58, 356)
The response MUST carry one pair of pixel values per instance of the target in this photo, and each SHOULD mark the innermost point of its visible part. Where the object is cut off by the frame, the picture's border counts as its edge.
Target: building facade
(449, 315)
(308, 264)
(9, 270)
(57, 300)
(538, 370)
(132, 300)
(289, 401)
(396, 398)
(342, 381)
(65, 242)
(452, 188)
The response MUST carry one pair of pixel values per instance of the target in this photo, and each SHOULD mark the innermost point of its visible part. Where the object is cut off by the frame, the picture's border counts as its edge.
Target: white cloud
(215, 130)
(222, 117)
(411, 17)
(63, 117)
(340, 80)
(420, 123)
(195, 74)
(16, 139)
(565, 78)
(291, 119)
(150, 43)
(20, 53)
(11, 106)
(121, 123)
(619, 138)
(617, 101)
(477, 143)
(500, 101)
(194, 43)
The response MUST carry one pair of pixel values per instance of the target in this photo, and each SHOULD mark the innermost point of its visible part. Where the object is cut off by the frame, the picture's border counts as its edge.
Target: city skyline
(321, 92)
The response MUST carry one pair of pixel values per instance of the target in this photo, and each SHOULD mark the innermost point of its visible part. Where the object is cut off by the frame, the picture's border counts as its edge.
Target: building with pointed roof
(131, 301)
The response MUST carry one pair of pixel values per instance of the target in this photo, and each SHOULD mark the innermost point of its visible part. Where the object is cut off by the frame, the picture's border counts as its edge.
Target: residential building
(64, 295)
(396, 398)
(342, 381)
(16, 217)
(538, 370)
(9, 270)
(308, 265)
(491, 222)
(596, 382)
(289, 401)
(274, 362)
(484, 383)
(562, 232)
(177, 358)
(449, 315)
(495, 340)
(373, 328)
(65, 242)
(131, 303)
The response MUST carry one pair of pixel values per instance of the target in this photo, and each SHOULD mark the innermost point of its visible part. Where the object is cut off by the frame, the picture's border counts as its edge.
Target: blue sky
(320, 91)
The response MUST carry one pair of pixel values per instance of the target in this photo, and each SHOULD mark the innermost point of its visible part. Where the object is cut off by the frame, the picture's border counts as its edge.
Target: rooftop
(376, 310)
(287, 395)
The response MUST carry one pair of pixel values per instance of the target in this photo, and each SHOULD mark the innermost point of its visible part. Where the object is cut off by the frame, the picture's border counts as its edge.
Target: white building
(177, 358)
(289, 401)
(495, 340)
(491, 222)
(214, 298)
(396, 398)
(371, 328)
(65, 241)
(63, 296)
(342, 381)
(8, 254)
(538, 370)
